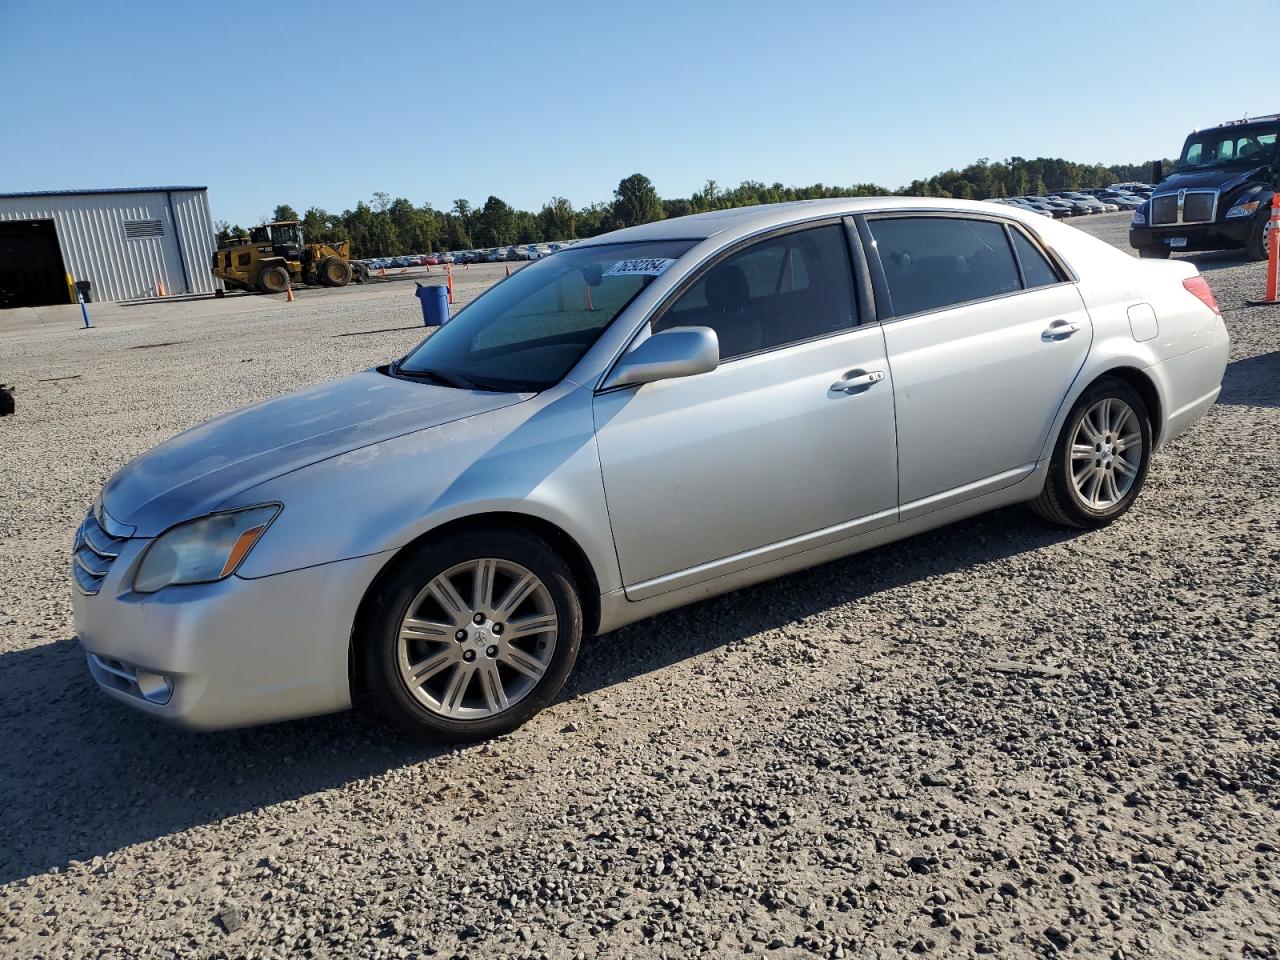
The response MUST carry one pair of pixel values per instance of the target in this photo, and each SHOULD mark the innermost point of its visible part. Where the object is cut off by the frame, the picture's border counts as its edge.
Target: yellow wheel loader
(275, 256)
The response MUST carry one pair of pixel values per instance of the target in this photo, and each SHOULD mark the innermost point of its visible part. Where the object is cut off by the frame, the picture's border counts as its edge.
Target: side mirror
(1157, 171)
(678, 352)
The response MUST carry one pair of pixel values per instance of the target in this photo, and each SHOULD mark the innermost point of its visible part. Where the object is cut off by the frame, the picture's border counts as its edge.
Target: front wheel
(1259, 243)
(1100, 460)
(273, 280)
(1155, 252)
(472, 636)
(334, 272)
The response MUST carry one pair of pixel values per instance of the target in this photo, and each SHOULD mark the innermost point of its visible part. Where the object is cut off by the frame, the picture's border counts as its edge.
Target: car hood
(196, 471)
(1224, 178)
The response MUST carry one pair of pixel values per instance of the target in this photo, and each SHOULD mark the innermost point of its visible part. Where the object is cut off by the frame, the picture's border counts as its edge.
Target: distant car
(1056, 207)
(1079, 206)
(1127, 203)
(435, 535)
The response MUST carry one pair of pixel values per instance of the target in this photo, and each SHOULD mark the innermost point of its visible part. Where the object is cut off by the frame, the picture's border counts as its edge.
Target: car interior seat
(728, 294)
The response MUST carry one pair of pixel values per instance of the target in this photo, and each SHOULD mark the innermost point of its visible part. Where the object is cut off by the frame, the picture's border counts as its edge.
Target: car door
(985, 335)
(788, 443)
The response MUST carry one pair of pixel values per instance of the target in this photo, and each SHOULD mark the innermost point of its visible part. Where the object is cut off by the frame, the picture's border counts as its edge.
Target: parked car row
(1074, 203)
(523, 251)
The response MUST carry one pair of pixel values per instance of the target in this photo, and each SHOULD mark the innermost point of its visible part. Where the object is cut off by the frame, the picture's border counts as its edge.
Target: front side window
(778, 291)
(936, 262)
(286, 236)
(528, 331)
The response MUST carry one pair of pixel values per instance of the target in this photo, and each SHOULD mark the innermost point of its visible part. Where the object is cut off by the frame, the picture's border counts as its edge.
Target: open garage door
(31, 269)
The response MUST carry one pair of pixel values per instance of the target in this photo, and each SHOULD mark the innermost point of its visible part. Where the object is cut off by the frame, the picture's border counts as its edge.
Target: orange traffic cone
(160, 289)
(448, 276)
(288, 297)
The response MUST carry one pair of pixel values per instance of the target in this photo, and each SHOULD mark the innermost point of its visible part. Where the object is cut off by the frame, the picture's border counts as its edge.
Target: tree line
(387, 227)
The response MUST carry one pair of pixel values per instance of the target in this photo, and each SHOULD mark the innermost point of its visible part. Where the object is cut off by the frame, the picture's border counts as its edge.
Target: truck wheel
(334, 272)
(273, 280)
(1156, 252)
(1260, 236)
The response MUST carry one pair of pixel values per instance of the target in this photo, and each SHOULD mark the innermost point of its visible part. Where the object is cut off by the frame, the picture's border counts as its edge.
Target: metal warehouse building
(123, 241)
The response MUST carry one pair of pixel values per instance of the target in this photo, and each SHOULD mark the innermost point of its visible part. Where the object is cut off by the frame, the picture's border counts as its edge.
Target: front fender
(537, 458)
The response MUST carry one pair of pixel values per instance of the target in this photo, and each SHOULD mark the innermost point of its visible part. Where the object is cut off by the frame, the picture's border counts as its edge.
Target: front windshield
(1222, 147)
(528, 331)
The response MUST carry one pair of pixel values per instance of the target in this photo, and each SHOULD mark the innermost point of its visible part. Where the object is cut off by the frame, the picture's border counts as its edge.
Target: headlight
(1243, 209)
(1139, 218)
(204, 550)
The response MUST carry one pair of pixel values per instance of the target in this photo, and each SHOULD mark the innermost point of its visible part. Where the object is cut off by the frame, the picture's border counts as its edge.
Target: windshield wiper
(433, 376)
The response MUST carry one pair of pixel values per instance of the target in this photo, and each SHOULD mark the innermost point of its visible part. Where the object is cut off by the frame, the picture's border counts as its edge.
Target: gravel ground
(996, 739)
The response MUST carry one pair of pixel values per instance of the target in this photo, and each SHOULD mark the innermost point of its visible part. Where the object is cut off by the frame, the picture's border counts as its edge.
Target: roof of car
(742, 221)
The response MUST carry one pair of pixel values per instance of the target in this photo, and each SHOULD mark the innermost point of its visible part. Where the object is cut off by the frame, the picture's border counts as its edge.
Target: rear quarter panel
(1186, 358)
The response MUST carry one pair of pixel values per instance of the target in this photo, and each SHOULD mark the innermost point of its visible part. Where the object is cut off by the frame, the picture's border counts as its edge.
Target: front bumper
(230, 654)
(1202, 236)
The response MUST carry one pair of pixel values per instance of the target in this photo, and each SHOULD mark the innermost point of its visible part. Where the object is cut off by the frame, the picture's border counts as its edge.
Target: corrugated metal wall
(91, 235)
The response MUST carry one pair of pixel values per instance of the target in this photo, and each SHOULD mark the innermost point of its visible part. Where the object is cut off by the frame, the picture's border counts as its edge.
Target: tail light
(1198, 287)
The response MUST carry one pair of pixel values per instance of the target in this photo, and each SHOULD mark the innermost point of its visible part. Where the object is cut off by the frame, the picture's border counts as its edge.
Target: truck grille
(1164, 209)
(1186, 206)
(1198, 207)
(95, 551)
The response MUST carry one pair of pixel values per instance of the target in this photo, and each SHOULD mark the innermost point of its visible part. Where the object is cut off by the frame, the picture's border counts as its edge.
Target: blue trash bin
(435, 304)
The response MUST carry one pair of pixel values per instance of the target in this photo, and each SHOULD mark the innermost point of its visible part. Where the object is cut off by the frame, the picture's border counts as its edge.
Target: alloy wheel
(477, 639)
(1106, 454)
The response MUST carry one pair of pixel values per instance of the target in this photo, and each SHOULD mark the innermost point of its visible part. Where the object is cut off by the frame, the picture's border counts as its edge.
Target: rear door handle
(857, 380)
(1060, 330)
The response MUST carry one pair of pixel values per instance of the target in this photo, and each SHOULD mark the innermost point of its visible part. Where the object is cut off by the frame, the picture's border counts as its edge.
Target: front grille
(1198, 207)
(1164, 209)
(95, 551)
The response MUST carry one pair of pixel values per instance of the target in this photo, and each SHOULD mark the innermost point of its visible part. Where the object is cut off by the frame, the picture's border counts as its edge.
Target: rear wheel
(334, 272)
(472, 636)
(1100, 460)
(1155, 252)
(1259, 244)
(273, 280)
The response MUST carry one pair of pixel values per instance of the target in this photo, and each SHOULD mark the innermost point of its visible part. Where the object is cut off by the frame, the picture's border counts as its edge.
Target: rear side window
(1035, 268)
(936, 262)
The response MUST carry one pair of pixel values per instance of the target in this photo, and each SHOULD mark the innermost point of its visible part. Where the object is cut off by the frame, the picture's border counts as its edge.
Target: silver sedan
(633, 423)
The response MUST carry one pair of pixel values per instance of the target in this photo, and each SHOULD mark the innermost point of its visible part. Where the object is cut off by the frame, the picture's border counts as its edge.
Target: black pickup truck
(1218, 197)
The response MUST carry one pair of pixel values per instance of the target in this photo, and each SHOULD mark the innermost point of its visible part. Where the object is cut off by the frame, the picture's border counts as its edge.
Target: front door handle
(1060, 330)
(857, 380)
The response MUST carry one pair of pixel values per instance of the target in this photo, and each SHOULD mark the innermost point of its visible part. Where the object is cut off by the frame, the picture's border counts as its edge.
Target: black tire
(7, 405)
(1256, 247)
(334, 272)
(1155, 252)
(377, 638)
(1059, 502)
(273, 279)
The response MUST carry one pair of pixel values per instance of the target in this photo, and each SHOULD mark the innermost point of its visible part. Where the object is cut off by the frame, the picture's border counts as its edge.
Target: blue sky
(312, 104)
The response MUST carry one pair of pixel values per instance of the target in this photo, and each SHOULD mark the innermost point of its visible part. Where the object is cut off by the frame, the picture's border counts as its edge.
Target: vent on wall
(142, 229)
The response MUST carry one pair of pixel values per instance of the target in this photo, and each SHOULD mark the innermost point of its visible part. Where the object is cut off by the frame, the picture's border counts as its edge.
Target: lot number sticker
(642, 267)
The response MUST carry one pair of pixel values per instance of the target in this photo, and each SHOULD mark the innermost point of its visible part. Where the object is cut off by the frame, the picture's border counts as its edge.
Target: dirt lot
(835, 764)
